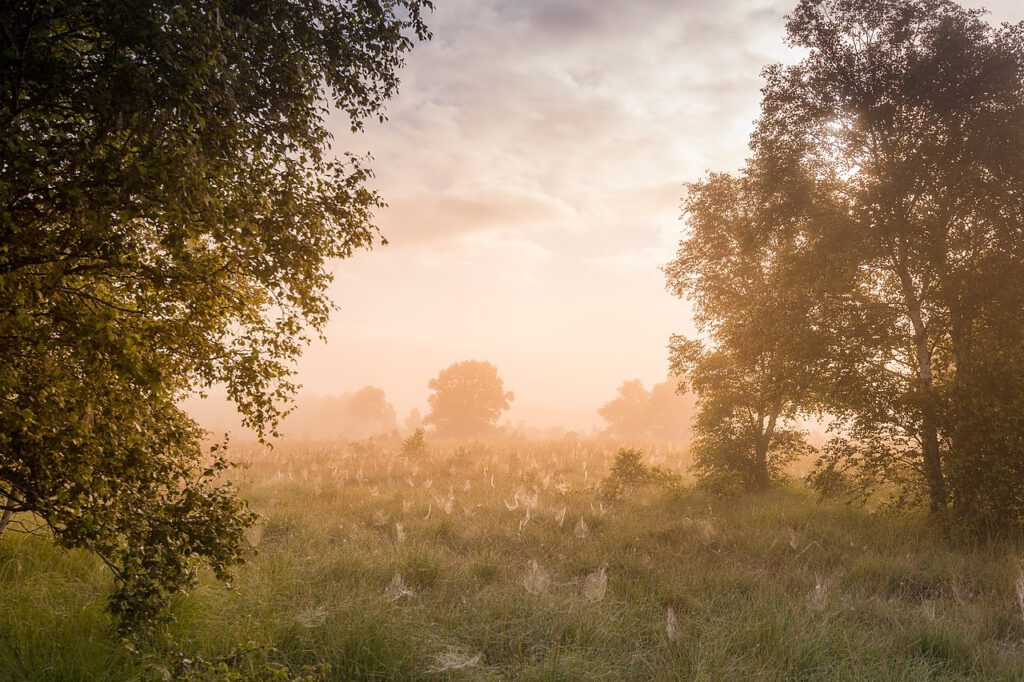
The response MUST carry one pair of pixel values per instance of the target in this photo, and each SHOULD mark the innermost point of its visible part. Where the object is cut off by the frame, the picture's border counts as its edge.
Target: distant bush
(416, 444)
(629, 472)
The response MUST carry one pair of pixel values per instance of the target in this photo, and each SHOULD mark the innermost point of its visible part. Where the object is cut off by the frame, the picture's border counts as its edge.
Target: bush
(629, 472)
(416, 444)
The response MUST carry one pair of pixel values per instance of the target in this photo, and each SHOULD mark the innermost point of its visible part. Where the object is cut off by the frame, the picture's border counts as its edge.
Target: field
(501, 561)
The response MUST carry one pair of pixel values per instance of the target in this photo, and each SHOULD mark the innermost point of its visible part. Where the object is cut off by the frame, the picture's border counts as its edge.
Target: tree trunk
(762, 478)
(933, 462)
(929, 432)
(932, 458)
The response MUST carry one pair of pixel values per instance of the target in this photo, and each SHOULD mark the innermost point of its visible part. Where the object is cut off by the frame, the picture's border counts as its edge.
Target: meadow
(503, 561)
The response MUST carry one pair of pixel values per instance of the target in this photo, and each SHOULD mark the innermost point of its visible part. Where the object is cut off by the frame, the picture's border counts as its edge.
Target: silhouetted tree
(468, 398)
(167, 209)
(909, 115)
(627, 414)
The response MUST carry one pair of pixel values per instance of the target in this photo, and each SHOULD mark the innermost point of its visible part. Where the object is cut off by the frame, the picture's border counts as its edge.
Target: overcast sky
(533, 164)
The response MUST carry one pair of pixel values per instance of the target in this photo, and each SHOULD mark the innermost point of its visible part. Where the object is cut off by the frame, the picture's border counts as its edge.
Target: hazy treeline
(356, 415)
(467, 400)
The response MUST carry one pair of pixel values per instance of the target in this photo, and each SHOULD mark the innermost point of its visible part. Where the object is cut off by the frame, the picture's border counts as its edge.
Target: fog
(534, 163)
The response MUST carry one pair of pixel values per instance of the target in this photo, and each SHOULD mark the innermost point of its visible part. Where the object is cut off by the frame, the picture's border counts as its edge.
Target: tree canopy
(168, 204)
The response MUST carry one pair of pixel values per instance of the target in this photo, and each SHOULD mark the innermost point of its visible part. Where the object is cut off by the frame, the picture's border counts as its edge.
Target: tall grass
(469, 562)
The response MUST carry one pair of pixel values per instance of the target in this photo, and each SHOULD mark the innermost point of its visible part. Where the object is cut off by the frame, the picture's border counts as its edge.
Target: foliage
(661, 414)
(908, 115)
(988, 429)
(726, 447)
(467, 400)
(167, 209)
(629, 472)
(877, 466)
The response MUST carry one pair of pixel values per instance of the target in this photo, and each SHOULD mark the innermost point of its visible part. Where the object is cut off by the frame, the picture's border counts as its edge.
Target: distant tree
(468, 398)
(661, 414)
(909, 115)
(357, 415)
(367, 412)
(671, 410)
(627, 414)
(413, 420)
(168, 208)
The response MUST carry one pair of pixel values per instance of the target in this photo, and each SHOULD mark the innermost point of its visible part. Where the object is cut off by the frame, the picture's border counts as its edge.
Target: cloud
(533, 165)
(424, 217)
(539, 114)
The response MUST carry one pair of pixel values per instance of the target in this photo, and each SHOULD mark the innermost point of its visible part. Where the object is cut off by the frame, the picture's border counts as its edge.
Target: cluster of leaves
(629, 472)
(167, 209)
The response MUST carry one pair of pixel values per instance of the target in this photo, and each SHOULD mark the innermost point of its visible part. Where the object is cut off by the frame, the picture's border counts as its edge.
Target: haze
(533, 164)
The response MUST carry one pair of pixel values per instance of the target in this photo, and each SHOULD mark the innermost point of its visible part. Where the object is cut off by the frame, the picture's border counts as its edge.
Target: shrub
(416, 444)
(629, 472)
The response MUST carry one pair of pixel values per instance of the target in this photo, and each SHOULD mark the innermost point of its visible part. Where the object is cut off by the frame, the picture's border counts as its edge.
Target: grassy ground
(502, 562)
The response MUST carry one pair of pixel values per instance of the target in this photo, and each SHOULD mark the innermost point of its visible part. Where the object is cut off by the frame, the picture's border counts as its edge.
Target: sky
(533, 164)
